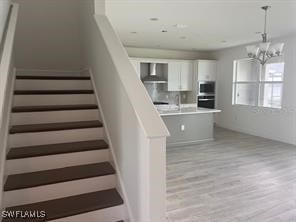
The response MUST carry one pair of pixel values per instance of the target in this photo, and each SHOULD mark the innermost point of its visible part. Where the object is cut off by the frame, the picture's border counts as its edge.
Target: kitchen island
(188, 124)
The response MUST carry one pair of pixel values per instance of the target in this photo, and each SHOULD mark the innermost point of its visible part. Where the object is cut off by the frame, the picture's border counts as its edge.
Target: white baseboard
(189, 143)
(254, 133)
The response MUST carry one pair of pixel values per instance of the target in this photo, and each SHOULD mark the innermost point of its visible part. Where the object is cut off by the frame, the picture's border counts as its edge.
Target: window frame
(258, 82)
(263, 82)
(235, 83)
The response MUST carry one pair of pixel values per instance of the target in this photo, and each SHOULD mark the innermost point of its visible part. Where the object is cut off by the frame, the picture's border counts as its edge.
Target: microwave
(206, 88)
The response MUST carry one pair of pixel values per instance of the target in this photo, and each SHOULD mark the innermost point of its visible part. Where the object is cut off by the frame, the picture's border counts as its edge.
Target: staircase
(58, 161)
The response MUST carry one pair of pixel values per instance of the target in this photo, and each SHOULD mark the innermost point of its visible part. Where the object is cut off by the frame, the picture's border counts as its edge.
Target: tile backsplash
(158, 93)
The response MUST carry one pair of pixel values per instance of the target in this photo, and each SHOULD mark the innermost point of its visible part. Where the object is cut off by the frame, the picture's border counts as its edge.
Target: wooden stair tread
(51, 92)
(46, 177)
(70, 206)
(19, 109)
(53, 149)
(54, 126)
(54, 77)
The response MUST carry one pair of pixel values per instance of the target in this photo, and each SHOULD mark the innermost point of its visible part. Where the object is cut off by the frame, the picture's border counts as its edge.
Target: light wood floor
(235, 178)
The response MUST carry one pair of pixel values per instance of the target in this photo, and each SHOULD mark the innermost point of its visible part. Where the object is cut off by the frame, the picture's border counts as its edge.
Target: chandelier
(263, 52)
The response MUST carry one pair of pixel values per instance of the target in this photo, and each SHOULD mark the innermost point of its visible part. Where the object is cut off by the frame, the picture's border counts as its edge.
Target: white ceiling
(209, 22)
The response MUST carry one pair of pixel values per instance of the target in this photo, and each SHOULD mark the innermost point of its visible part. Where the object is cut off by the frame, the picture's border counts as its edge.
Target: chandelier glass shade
(264, 50)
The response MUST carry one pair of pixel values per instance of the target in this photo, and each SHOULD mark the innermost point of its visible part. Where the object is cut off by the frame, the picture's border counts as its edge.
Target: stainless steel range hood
(152, 77)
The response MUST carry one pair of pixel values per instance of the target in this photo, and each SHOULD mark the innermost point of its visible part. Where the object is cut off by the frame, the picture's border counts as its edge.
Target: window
(254, 85)
(245, 82)
(271, 85)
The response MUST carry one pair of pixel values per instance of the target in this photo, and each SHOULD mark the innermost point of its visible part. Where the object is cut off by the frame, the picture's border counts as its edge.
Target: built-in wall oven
(206, 88)
(206, 102)
(206, 94)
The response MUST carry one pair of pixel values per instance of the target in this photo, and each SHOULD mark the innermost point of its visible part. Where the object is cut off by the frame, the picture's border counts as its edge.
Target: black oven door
(206, 102)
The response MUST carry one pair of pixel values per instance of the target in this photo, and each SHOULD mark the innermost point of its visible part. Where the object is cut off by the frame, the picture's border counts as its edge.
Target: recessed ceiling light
(183, 37)
(154, 19)
(180, 26)
(164, 31)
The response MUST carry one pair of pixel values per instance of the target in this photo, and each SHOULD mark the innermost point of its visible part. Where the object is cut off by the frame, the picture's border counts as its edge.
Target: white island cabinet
(179, 76)
(189, 124)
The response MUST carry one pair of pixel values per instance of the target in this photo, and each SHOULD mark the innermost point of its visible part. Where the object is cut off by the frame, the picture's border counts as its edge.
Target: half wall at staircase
(136, 133)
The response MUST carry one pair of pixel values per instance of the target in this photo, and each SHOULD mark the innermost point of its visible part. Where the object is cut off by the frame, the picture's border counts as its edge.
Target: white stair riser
(36, 72)
(54, 137)
(32, 164)
(53, 84)
(111, 214)
(54, 116)
(39, 100)
(58, 190)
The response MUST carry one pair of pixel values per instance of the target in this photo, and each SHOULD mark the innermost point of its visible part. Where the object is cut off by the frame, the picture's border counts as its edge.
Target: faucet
(178, 101)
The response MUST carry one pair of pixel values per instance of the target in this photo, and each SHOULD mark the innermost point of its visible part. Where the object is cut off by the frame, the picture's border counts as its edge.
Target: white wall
(135, 131)
(4, 8)
(166, 54)
(48, 35)
(270, 123)
(100, 7)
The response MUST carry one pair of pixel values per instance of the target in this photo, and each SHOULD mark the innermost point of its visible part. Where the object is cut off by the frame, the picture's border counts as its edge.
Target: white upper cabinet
(180, 75)
(174, 76)
(137, 65)
(206, 70)
(186, 75)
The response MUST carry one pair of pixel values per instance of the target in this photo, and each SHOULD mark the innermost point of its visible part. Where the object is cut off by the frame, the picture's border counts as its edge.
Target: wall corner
(100, 7)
